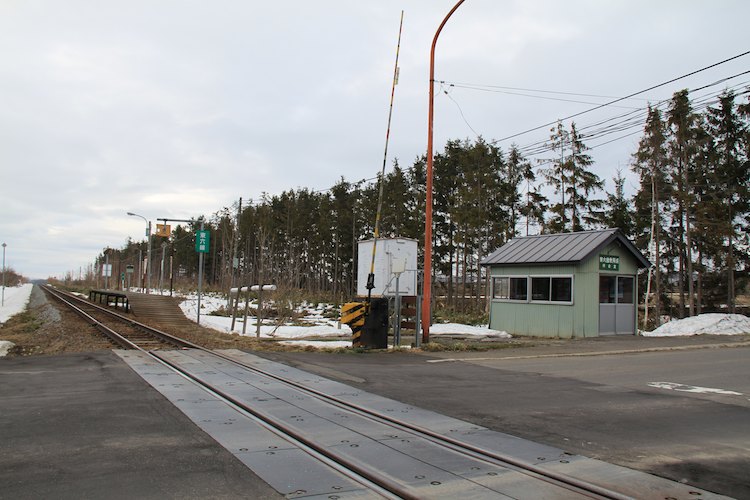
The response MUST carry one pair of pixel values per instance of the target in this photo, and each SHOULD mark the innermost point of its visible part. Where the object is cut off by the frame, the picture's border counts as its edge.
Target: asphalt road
(598, 406)
(87, 426)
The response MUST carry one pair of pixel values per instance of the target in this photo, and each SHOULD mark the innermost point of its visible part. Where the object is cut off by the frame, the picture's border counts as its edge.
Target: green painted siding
(581, 319)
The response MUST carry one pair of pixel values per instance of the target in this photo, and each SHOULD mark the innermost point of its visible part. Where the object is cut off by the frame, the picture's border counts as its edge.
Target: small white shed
(391, 254)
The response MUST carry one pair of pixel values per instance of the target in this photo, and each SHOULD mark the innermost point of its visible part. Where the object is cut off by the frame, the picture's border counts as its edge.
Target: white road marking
(691, 388)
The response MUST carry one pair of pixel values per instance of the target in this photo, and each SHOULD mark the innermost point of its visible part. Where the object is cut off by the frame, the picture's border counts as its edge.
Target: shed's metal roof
(563, 248)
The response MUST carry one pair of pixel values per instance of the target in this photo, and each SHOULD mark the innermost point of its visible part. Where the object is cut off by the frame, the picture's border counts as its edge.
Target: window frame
(529, 280)
(549, 300)
(617, 280)
(510, 277)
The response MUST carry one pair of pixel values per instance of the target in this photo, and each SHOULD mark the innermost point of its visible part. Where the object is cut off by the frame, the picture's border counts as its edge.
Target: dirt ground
(46, 328)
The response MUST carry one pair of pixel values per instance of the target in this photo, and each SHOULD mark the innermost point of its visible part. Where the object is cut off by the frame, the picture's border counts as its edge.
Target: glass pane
(607, 289)
(624, 290)
(562, 289)
(518, 287)
(500, 288)
(540, 288)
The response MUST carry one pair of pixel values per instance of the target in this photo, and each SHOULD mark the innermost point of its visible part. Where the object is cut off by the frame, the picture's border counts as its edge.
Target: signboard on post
(163, 230)
(107, 270)
(130, 268)
(202, 241)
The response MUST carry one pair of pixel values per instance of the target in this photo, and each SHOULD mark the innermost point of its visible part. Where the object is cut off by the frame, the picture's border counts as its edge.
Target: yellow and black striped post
(353, 314)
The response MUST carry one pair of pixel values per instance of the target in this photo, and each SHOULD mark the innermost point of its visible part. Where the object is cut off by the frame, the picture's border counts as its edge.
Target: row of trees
(692, 209)
(11, 278)
(690, 213)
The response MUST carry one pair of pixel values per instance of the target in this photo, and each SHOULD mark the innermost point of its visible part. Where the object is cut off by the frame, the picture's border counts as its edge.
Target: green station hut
(567, 285)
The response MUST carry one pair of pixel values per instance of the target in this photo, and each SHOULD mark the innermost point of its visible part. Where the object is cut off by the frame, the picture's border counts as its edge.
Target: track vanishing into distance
(335, 434)
(130, 334)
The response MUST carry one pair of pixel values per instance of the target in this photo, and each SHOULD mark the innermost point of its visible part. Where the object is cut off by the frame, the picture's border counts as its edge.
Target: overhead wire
(635, 118)
(537, 90)
(620, 99)
(461, 111)
(479, 88)
(616, 124)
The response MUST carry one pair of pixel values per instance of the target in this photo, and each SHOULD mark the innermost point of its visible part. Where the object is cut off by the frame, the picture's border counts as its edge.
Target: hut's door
(616, 305)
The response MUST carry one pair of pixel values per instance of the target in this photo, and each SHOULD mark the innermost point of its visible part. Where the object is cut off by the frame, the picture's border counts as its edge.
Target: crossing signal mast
(369, 320)
(376, 233)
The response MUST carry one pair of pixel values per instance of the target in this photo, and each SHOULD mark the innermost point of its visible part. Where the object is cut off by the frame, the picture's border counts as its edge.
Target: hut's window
(615, 289)
(518, 287)
(607, 286)
(562, 289)
(500, 288)
(552, 289)
(510, 288)
(540, 288)
(624, 290)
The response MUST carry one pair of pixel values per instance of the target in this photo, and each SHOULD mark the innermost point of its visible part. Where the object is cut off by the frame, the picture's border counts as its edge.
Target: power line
(484, 87)
(461, 111)
(635, 118)
(620, 99)
(631, 119)
(470, 87)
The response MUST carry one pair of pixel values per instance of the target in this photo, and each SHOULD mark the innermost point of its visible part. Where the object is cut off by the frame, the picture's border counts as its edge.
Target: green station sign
(202, 241)
(609, 263)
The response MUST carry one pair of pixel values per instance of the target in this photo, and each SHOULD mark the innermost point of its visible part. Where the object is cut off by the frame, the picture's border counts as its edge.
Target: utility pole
(3, 300)
(234, 252)
(106, 270)
(161, 271)
(427, 292)
(148, 251)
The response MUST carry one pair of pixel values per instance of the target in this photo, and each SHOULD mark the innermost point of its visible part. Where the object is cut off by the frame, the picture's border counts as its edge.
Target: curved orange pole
(427, 288)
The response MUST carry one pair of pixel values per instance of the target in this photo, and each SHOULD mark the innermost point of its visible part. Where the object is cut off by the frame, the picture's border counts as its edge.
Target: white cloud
(177, 109)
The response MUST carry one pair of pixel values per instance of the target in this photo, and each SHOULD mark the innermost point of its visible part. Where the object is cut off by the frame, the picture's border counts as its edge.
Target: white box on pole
(391, 254)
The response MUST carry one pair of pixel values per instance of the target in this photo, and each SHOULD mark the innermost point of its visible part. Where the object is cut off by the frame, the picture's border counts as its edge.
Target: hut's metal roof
(563, 248)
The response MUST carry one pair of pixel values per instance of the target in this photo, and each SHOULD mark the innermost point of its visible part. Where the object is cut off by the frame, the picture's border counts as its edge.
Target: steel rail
(160, 335)
(111, 334)
(556, 478)
(474, 451)
(355, 471)
(372, 474)
(369, 474)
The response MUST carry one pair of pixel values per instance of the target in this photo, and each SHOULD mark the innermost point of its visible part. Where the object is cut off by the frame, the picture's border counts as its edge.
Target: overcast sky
(177, 108)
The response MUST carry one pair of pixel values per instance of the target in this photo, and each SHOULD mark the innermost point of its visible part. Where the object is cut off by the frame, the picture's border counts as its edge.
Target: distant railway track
(121, 330)
(312, 418)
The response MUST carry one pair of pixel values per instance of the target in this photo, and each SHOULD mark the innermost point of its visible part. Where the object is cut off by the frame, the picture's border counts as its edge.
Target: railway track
(130, 334)
(360, 445)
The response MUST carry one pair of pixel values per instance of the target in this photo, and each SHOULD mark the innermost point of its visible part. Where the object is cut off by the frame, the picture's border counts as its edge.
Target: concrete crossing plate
(388, 452)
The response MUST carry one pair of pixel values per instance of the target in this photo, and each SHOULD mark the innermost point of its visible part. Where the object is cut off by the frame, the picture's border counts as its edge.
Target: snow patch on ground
(323, 344)
(704, 324)
(5, 347)
(320, 326)
(15, 302)
(270, 328)
(459, 329)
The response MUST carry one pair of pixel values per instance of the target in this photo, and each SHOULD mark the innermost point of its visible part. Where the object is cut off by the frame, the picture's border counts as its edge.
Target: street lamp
(3, 300)
(148, 252)
(427, 283)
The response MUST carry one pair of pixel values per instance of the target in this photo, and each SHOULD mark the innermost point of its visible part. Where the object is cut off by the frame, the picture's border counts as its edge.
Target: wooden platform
(161, 309)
